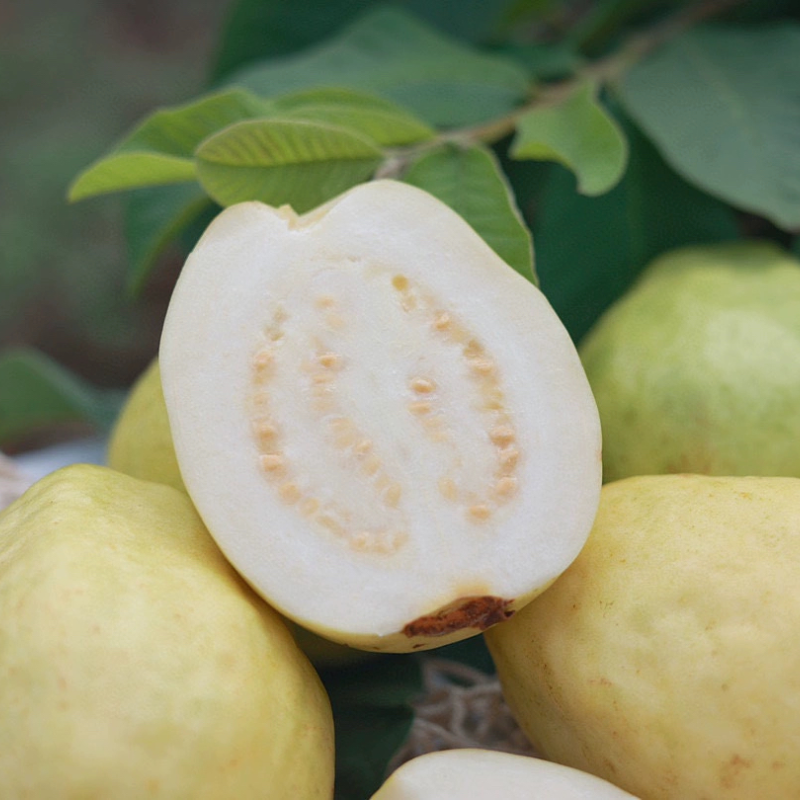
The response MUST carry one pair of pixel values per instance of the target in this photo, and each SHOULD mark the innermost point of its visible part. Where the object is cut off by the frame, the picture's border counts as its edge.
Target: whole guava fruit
(140, 443)
(476, 774)
(666, 658)
(135, 661)
(697, 368)
(385, 427)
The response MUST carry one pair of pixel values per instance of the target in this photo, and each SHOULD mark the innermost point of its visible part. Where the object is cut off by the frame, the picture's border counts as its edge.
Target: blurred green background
(74, 76)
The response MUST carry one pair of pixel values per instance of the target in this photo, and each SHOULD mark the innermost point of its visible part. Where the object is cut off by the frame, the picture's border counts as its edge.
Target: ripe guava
(666, 658)
(141, 443)
(697, 368)
(136, 663)
(387, 429)
(473, 774)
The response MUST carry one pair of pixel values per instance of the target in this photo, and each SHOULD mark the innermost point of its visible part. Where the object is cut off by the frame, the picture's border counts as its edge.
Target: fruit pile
(365, 432)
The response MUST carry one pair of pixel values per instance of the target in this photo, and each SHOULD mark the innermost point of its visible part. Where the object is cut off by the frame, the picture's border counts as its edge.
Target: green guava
(666, 658)
(697, 368)
(136, 663)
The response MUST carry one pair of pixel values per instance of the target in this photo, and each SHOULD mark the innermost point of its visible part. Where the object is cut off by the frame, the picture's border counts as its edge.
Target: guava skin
(697, 368)
(136, 663)
(665, 659)
(140, 444)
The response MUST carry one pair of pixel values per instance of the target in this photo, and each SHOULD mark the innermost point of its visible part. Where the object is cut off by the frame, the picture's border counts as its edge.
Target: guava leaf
(282, 161)
(160, 149)
(590, 250)
(545, 60)
(722, 104)
(470, 181)
(372, 717)
(602, 21)
(260, 29)
(155, 217)
(36, 391)
(580, 134)
(385, 128)
(394, 54)
(336, 95)
(385, 122)
(122, 171)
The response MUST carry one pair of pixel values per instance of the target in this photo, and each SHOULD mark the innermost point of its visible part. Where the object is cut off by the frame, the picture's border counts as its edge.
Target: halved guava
(387, 430)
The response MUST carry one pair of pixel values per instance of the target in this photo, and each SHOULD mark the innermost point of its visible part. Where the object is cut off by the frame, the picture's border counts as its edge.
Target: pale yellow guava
(385, 427)
(473, 774)
(697, 367)
(666, 658)
(135, 662)
(141, 443)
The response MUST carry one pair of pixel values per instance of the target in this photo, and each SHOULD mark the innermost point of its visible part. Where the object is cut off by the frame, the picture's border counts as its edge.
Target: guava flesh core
(387, 430)
(473, 774)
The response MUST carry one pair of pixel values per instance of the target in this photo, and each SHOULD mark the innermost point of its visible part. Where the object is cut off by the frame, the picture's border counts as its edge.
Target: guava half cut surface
(387, 430)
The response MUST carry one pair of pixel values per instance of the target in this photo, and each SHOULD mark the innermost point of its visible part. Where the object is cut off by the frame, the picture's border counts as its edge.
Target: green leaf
(259, 29)
(590, 250)
(36, 392)
(479, 21)
(160, 150)
(602, 21)
(282, 161)
(545, 60)
(580, 134)
(722, 104)
(121, 171)
(335, 95)
(385, 122)
(155, 217)
(372, 717)
(471, 182)
(384, 128)
(394, 54)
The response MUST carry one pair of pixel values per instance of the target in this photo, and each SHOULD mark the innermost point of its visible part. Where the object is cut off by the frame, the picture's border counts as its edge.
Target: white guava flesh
(387, 429)
(472, 774)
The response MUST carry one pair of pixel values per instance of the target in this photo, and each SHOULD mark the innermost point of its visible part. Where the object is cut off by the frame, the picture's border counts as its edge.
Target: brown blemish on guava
(732, 770)
(466, 612)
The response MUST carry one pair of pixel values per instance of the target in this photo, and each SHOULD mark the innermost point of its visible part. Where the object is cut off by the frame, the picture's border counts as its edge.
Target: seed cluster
(483, 374)
(321, 369)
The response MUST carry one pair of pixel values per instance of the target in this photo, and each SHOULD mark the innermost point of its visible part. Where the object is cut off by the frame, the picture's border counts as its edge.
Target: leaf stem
(601, 71)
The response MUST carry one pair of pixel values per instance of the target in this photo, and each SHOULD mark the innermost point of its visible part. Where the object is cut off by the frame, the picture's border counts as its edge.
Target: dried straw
(461, 707)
